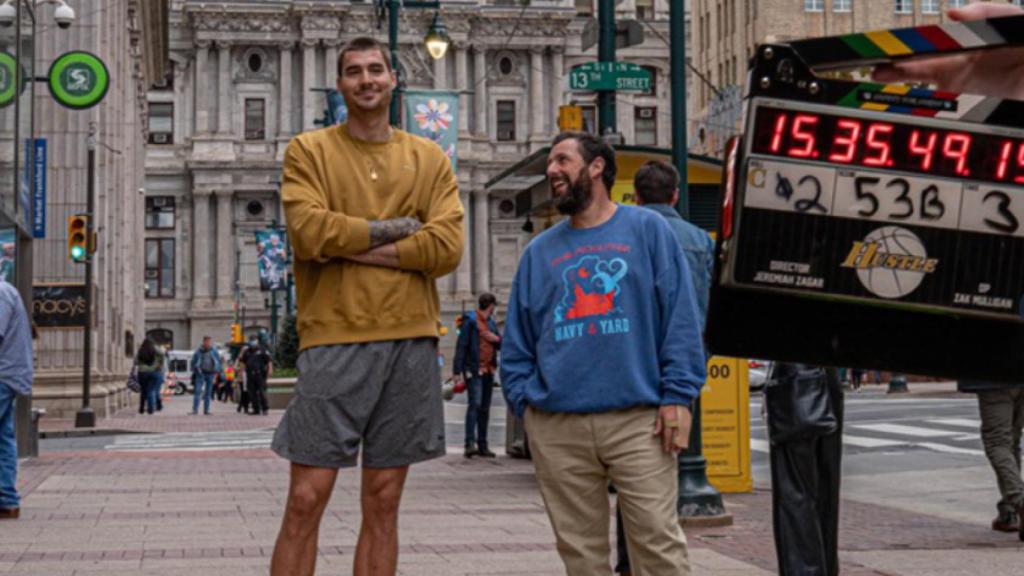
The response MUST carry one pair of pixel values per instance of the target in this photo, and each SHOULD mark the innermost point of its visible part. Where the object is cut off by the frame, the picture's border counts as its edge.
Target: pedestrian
(244, 401)
(205, 368)
(656, 184)
(856, 378)
(1000, 74)
(602, 358)
(15, 380)
(258, 368)
(149, 361)
(374, 218)
(804, 405)
(476, 361)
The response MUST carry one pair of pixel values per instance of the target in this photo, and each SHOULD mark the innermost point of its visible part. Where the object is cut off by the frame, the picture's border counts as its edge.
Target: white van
(179, 371)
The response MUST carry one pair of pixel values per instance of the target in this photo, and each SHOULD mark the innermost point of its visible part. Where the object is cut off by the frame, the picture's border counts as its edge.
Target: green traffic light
(77, 252)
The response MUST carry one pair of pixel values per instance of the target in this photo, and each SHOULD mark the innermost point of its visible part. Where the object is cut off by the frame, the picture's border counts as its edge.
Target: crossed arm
(383, 235)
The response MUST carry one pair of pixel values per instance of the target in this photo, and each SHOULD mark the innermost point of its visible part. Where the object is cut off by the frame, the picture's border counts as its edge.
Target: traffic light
(78, 239)
(236, 333)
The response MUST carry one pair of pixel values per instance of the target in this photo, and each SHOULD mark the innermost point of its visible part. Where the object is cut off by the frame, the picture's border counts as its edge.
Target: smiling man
(602, 357)
(374, 218)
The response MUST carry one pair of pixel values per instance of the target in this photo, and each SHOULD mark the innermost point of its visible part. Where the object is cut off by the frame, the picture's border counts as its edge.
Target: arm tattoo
(388, 231)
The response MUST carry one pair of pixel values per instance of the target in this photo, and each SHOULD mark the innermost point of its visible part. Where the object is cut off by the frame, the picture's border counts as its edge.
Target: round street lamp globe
(437, 38)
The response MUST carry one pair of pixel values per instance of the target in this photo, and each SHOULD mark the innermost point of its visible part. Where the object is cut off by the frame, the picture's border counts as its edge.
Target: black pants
(805, 498)
(258, 393)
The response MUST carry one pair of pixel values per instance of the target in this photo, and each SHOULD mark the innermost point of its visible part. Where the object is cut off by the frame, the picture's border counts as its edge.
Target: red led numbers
(956, 147)
(878, 143)
(1004, 160)
(1020, 163)
(926, 150)
(847, 136)
(803, 132)
(780, 126)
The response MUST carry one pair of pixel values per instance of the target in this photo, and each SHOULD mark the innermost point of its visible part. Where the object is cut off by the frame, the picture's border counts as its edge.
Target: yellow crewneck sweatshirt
(332, 187)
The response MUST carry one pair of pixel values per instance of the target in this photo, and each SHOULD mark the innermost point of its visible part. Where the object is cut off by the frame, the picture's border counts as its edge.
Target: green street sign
(609, 76)
(9, 85)
(78, 80)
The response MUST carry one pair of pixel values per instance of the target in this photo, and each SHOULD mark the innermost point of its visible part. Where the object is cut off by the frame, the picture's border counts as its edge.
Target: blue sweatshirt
(603, 319)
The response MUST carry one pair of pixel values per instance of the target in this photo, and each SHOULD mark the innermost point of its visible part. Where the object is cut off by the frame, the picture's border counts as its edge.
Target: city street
(206, 499)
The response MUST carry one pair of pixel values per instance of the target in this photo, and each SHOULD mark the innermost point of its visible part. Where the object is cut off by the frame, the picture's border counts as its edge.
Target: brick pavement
(216, 513)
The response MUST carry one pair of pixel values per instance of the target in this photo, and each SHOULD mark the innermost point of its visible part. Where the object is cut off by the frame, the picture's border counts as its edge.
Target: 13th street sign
(609, 76)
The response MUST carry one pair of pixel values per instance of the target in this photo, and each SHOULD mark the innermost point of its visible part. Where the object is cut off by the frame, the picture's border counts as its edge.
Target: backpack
(206, 362)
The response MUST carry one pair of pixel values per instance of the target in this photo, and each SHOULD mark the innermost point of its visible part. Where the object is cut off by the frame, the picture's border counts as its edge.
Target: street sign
(609, 76)
(9, 85)
(78, 80)
(570, 118)
(39, 189)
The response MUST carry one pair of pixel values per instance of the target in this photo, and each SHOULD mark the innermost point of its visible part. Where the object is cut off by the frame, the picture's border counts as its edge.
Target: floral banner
(434, 114)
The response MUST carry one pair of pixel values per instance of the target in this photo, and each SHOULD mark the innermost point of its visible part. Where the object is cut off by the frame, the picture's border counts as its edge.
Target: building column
(481, 241)
(331, 48)
(202, 108)
(462, 84)
(538, 111)
(201, 245)
(308, 82)
(463, 274)
(480, 90)
(441, 73)
(180, 126)
(225, 246)
(557, 84)
(223, 88)
(284, 106)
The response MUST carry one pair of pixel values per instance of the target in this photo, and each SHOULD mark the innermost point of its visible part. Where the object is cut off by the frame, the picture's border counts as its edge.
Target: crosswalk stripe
(865, 442)
(960, 422)
(901, 430)
(760, 445)
(949, 449)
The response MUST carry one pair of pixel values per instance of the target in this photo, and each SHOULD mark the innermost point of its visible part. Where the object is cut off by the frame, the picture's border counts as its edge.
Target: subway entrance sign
(609, 76)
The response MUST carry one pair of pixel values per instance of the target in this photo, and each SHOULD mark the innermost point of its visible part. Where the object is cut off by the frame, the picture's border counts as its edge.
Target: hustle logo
(891, 262)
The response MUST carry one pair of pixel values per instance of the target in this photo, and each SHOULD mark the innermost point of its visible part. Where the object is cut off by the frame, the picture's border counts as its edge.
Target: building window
(645, 126)
(160, 268)
(929, 6)
(842, 5)
(160, 213)
(506, 121)
(645, 9)
(814, 5)
(904, 6)
(585, 7)
(161, 123)
(255, 119)
(589, 119)
(956, 3)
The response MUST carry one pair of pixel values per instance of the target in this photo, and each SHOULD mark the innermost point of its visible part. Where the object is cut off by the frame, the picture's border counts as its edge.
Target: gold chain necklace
(368, 157)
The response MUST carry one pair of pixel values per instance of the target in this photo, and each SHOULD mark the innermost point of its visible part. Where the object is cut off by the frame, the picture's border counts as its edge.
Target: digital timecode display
(881, 144)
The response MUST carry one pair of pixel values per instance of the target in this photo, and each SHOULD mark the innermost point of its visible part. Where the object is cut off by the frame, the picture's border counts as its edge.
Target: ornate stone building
(243, 79)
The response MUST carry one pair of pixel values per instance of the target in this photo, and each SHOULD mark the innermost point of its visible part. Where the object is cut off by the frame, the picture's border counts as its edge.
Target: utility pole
(606, 53)
(677, 63)
(86, 417)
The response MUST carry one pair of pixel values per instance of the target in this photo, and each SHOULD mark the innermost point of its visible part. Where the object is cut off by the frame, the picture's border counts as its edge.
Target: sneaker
(9, 513)
(470, 452)
(485, 453)
(1006, 521)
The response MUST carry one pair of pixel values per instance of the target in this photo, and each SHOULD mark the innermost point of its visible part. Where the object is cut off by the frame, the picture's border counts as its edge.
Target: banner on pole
(434, 114)
(7, 254)
(270, 259)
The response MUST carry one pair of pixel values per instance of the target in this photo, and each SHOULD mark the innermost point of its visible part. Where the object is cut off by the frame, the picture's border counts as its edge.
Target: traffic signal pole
(86, 417)
(606, 53)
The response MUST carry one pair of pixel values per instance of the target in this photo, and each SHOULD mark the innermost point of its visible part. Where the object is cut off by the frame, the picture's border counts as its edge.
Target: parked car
(179, 371)
(758, 370)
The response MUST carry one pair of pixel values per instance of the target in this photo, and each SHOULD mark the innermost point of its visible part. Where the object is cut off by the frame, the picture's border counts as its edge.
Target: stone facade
(224, 182)
(122, 34)
(726, 32)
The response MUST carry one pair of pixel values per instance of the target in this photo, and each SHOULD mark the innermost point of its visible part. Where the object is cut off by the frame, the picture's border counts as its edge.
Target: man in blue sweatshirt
(602, 357)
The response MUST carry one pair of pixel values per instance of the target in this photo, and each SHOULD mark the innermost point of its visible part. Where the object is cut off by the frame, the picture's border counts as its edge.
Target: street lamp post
(436, 40)
(86, 417)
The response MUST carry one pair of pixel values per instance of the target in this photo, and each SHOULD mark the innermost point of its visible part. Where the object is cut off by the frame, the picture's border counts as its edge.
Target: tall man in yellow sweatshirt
(374, 217)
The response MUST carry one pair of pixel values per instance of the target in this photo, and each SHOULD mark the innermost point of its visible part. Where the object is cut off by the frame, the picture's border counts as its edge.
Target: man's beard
(577, 196)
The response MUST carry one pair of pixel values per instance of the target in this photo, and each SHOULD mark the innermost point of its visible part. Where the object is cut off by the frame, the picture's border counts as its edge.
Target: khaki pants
(575, 456)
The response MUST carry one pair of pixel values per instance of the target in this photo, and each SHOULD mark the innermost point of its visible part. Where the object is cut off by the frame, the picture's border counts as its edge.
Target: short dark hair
(363, 44)
(486, 300)
(591, 147)
(655, 182)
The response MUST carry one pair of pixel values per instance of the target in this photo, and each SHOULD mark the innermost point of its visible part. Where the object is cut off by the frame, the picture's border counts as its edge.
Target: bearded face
(573, 195)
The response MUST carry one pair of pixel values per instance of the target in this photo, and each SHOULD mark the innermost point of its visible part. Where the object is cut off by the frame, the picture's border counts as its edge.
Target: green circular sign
(9, 88)
(78, 80)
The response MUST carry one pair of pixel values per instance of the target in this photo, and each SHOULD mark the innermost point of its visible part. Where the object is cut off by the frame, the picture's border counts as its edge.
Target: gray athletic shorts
(385, 395)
